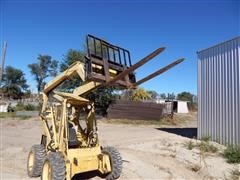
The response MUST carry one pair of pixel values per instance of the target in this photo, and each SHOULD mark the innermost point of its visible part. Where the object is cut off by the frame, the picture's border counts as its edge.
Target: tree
(140, 94)
(185, 96)
(14, 83)
(44, 68)
(102, 97)
(127, 94)
(171, 96)
(69, 58)
(163, 95)
(153, 94)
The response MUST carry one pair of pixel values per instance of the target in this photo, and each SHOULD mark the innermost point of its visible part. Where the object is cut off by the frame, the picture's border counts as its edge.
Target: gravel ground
(148, 153)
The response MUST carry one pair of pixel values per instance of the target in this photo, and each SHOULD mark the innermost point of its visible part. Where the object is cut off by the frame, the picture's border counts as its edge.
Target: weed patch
(232, 154)
(206, 138)
(190, 145)
(204, 146)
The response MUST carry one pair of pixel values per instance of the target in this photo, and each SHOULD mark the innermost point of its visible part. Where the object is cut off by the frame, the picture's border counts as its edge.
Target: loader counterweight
(88, 159)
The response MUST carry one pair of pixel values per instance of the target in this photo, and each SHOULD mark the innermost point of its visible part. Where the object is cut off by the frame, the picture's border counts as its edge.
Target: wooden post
(3, 59)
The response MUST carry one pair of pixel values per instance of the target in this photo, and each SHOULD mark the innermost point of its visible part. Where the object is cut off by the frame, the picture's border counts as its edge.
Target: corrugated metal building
(219, 92)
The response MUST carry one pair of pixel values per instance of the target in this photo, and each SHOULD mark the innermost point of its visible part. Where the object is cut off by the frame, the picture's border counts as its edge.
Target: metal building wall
(219, 92)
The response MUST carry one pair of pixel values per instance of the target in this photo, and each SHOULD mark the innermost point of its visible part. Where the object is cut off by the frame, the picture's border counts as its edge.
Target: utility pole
(3, 60)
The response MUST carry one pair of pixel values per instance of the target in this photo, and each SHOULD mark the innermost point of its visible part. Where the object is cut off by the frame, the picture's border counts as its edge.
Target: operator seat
(73, 142)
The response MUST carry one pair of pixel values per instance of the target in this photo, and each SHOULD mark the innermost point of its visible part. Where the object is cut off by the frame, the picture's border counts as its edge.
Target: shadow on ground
(186, 132)
(87, 175)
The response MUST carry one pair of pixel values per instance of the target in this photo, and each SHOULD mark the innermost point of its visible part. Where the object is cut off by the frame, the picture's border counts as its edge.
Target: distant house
(4, 107)
(178, 105)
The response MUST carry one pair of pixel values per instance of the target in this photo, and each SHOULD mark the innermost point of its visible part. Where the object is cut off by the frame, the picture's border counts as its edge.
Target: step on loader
(69, 143)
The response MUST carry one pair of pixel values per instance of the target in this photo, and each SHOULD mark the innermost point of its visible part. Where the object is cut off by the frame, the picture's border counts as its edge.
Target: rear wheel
(116, 162)
(36, 158)
(54, 167)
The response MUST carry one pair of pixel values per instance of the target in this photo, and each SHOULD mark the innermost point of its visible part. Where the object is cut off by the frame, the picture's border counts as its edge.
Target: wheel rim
(30, 161)
(47, 172)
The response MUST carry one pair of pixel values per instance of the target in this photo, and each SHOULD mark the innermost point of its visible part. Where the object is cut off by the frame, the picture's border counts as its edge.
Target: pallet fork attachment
(137, 65)
(158, 72)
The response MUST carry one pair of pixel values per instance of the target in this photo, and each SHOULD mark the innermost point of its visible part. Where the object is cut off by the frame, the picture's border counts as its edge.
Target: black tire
(116, 162)
(38, 153)
(57, 166)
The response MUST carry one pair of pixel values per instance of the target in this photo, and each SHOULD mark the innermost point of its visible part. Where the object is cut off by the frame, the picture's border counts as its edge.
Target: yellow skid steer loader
(69, 143)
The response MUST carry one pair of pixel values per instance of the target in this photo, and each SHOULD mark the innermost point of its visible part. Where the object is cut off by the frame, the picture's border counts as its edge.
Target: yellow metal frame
(88, 155)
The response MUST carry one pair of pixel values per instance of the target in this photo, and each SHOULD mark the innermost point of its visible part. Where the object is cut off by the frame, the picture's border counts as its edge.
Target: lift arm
(76, 67)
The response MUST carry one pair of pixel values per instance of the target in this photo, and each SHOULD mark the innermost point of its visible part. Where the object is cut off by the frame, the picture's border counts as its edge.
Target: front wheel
(36, 158)
(116, 162)
(54, 167)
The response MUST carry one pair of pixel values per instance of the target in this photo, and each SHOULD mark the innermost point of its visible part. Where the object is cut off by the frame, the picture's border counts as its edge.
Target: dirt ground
(148, 152)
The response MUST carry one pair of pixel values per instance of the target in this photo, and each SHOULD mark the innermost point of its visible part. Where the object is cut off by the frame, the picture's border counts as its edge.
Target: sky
(51, 27)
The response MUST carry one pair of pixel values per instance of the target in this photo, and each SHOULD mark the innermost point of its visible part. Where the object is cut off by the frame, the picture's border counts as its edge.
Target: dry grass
(204, 146)
(138, 122)
(178, 119)
(195, 168)
(12, 115)
(189, 145)
(234, 175)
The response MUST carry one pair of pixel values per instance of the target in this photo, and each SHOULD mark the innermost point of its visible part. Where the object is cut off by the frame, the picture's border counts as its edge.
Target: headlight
(68, 105)
(89, 107)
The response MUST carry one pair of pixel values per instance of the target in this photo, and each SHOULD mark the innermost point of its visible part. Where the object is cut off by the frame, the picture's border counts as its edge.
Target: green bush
(10, 108)
(38, 107)
(232, 154)
(29, 107)
(19, 106)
